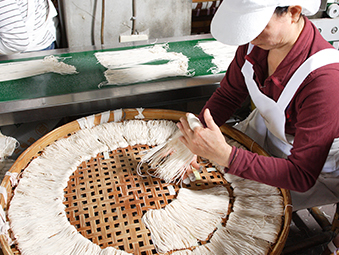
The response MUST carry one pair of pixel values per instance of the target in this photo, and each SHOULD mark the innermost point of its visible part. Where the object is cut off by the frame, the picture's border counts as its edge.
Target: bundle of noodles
(213, 200)
(259, 226)
(182, 252)
(23, 69)
(135, 132)
(172, 158)
(160, 131)
(143, 73)
(166, 234)
(260, 205)
(187, 219)
(222, 54)
(234, 243)
(111, 134)
(112, 251)
(129, 58)
(201, 225)
(245, 187)
(262, 213)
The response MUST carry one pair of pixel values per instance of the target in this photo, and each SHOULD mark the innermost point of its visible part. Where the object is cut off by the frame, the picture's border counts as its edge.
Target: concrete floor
(311, 231)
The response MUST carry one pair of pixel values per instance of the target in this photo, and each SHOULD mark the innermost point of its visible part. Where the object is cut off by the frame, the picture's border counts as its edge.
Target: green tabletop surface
(90, 73)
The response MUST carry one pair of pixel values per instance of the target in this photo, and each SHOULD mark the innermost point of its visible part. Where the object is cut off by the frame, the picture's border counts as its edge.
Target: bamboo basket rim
(128, 114)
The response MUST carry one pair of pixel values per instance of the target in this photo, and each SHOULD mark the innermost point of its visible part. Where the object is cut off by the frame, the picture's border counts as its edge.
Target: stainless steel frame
(157, 94)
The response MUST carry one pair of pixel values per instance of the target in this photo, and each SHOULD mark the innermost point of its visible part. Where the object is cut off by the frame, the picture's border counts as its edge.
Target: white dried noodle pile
(172, 158)
(245, 187)
(128, 58)
(136, 65)
(223, 54)
(24, 69)
(274, 205)
(213, 200)
(187, 217)
(259, 217)
(252, 227)
(36, 212)
(201, 225)
(132, 137)
(159, 135)
(166, 234)
(7, 146)
(257, 210)
(40, 226)
(258, 226)
(235, 243)
(112, 134)
(143, 73)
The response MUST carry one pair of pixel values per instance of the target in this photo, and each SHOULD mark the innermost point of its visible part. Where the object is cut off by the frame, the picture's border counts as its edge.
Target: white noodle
(143, 73)
(23, 69)
(199, 223)
(261, 227)
(167, 235)
(128, 58)
(235, 243)
(254, 205)
(170, 159)
(222, 54)
(247, 187)
(213, 200)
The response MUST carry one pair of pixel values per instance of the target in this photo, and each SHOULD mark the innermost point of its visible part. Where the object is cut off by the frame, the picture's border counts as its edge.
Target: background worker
(27, 25)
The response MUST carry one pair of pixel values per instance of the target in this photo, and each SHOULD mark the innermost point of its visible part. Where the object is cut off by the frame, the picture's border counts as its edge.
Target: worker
(291, 74)
(27, 25)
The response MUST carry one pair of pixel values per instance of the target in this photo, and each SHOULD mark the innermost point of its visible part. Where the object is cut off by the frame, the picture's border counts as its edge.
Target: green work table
(50, 95)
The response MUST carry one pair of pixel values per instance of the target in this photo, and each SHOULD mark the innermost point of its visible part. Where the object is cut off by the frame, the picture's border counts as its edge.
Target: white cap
(238, 22)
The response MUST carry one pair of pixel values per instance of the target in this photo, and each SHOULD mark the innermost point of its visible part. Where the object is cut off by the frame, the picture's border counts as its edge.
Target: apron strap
(319, 59)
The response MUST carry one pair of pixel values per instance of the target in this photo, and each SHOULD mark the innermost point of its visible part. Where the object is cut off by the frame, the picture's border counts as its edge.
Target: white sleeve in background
(26, 25)
(13, 32)
(41, 15)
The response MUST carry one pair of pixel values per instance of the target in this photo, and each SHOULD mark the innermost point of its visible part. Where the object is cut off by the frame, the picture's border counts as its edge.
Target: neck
(277, 55)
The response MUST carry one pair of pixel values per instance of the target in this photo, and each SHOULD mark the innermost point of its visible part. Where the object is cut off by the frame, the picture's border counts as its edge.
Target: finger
(209, 120)
(184, 140)
(195, 164)
(181, 128)
(185, 124)
(185, 129)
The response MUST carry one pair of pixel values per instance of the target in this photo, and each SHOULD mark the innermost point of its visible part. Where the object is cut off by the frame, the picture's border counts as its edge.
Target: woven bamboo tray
(92, 187)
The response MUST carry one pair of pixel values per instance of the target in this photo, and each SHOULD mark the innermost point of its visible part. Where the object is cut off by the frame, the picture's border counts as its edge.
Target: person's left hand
(206, 142)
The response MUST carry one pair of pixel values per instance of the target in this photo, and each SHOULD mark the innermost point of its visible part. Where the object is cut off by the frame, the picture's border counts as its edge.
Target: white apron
(266, 124)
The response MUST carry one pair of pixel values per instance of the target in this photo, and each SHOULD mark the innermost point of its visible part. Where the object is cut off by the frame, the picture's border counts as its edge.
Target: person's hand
(206, 142)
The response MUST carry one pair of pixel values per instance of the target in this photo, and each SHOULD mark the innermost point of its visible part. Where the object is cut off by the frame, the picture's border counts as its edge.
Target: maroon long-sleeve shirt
(312, 116)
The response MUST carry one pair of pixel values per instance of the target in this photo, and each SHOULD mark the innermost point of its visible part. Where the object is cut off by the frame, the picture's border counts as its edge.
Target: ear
(295, 11)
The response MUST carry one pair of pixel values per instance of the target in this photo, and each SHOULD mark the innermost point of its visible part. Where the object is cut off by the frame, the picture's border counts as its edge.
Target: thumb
(209, 120)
